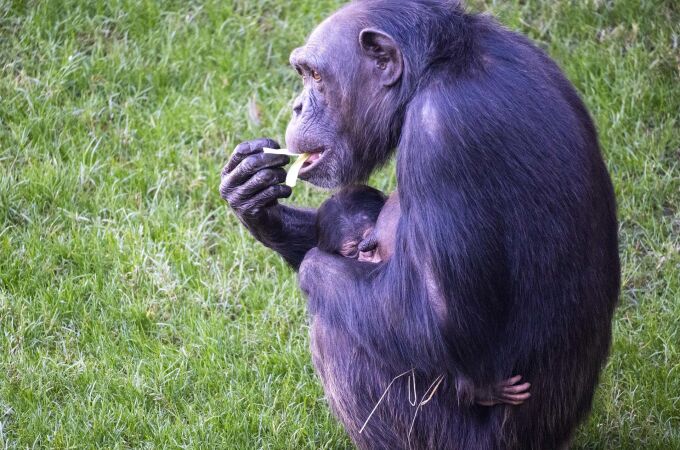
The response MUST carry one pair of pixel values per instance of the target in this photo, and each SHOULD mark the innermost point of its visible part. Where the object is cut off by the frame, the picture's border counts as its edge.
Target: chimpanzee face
(339, 117)
(347, 218)
(316, 125)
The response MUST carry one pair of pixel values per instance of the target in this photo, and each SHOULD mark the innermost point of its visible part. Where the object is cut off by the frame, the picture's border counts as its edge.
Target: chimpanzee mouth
(315, 156)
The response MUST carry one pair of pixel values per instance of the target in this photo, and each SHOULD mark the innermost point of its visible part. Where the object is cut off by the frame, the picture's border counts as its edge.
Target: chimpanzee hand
(251, 185)
(509, 392)
(368, 248)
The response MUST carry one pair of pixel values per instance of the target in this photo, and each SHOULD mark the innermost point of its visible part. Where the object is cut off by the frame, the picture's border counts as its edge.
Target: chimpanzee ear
(385, 52)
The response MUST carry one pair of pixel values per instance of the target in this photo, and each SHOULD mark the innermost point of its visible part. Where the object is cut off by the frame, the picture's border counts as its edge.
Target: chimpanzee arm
(452, 189)
(358, 299)
(287, 230)
(398, 312)
(251, 185)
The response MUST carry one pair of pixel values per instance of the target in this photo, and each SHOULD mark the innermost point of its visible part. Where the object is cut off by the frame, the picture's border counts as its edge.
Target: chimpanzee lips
(315, 156)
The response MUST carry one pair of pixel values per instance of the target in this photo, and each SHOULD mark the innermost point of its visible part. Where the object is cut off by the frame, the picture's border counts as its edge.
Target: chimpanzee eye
(316, 76)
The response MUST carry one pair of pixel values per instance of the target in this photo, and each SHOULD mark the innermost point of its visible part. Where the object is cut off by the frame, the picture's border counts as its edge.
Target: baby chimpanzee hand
(508, 392)
(368, 248)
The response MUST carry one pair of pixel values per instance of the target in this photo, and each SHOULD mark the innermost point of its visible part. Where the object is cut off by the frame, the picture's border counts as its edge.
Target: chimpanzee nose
(297, 107)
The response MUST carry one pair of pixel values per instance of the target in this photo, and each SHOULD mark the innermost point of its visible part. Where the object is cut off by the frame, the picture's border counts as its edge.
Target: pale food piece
(279, 151)
(292, 175)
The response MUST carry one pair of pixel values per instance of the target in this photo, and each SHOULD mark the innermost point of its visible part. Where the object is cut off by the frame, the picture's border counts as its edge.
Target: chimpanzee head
(347, 114)
(346, 218)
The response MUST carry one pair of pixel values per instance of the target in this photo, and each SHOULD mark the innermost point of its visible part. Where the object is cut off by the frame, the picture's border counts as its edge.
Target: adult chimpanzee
(506, 249)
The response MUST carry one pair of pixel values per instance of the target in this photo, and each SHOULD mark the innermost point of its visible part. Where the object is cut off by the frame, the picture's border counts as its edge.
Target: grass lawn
(135, 311)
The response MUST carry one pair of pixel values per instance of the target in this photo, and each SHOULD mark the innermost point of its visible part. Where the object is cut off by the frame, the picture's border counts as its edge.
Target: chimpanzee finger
(370, 243)
(517, 388)
(240, 152)
(245, 149)
(253, 164)
(511, 381)
(257, 183)
(516, 399)
(266, 198)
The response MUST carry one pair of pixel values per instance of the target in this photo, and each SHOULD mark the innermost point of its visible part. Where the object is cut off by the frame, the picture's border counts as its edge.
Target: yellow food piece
(291, 177)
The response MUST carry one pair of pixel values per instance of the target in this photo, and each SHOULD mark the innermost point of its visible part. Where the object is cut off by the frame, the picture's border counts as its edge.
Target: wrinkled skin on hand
(251, 185)
(250, 182)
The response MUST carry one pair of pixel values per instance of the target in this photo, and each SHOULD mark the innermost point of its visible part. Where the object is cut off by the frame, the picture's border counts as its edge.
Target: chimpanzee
(358, 215)
(358, 222)
(347, 218)
(506, 250)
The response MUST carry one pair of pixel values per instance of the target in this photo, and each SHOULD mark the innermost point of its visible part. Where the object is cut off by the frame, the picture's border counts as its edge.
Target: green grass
(135, 311)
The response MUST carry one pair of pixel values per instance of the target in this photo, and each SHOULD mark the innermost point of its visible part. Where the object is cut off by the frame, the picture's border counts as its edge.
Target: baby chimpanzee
(347, 218)
(360, 222)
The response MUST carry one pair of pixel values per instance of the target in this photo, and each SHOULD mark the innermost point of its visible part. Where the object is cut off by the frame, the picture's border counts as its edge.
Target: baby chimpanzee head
(346, 218)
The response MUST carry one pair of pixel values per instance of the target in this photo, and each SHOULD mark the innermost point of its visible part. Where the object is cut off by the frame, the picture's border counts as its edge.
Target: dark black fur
(506, 258)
